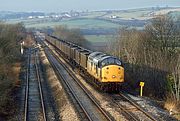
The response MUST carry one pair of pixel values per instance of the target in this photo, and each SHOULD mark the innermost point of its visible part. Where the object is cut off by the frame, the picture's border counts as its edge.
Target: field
(100, 38)
(73, 23)
(81, 23)
(99, 24)
(90, 24)
(98, 19)
(140, 14)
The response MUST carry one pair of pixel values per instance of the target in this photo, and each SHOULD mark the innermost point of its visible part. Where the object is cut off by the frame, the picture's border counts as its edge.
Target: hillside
(88, 19)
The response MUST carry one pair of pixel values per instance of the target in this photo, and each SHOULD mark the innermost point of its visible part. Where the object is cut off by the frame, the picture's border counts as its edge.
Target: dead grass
(173, 107)
(28, 42)
(16, 69)
(8, 81)
(5, 97)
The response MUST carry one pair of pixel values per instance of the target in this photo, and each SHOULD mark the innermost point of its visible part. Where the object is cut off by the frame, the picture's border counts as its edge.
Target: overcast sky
(67, 5)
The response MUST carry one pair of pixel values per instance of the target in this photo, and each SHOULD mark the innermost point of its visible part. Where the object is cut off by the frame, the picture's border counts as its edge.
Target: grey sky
(66, 5)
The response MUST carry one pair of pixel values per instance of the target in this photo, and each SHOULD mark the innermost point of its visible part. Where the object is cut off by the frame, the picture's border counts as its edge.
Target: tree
(151, 55)
(71, 35)
(10, 36)
(164, 32)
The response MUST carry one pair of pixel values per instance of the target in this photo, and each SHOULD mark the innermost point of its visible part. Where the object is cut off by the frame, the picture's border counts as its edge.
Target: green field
(100, 38)
(94, 14)
(133, 13)
(75, 23)
(88, 20)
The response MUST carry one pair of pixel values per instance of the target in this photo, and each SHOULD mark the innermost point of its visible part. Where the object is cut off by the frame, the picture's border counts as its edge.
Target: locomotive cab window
(118, 62)
(104, 62)
(109, 61)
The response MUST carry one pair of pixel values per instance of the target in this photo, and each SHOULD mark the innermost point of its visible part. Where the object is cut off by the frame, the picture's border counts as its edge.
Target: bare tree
(10, 36)
(152, 55)
(71, 35)
(164, 32)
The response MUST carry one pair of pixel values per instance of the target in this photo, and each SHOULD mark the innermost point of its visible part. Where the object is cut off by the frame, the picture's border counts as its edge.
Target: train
(105, 71)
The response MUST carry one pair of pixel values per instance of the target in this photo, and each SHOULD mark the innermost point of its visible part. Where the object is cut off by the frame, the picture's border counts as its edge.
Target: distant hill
(17, 15)
(131, 14)
(106, 21)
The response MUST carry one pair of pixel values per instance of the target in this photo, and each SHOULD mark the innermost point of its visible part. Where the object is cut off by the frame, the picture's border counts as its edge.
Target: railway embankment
(10, 66)
(8, 90)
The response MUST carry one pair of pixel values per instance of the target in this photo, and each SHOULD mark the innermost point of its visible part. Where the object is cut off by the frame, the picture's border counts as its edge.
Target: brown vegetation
(153, 56)
(71, 35)
(29, 41)
(10, 37)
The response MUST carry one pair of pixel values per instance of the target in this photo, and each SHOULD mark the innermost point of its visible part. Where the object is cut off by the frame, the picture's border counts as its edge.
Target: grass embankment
(173, 107)
(9, 80)
(10, 63)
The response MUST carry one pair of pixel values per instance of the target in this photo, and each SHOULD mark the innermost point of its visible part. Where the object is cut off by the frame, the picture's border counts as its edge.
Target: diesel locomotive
(103, 70)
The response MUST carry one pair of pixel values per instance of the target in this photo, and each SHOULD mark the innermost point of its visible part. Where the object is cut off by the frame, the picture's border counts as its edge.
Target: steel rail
(125, 97)
(125, 112)
(82, 87)
(138, 107)
(69, 87)
(40, 87)
(120, 106)
(27, 87)
(86, 92)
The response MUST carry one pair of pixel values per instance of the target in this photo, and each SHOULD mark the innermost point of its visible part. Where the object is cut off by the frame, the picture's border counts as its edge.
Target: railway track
(86, 104)
(131, 110)
(135, 112)
(34, 108)
(128, 114)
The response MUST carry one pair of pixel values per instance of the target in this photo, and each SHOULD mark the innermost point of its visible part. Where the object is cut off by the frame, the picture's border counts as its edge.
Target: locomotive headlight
(113, 76)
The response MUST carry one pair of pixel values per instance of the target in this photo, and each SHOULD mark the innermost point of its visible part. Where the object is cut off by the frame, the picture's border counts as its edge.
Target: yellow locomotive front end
(112, 73)
(107, 71)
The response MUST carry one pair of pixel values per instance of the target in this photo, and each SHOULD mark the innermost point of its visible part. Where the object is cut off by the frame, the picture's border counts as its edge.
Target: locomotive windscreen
(109, 61)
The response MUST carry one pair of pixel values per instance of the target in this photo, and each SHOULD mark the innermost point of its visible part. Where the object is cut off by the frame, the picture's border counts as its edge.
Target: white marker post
(22, 50)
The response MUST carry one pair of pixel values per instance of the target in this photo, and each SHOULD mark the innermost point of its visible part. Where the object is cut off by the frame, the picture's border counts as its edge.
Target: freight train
(103, 70)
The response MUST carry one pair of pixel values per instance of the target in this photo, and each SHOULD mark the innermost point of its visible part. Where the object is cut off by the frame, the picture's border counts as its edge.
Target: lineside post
(141, 90)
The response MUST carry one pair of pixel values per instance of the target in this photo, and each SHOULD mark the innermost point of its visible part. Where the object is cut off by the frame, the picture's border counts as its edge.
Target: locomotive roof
(97, 58)
(105, 57)
(93, 54)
